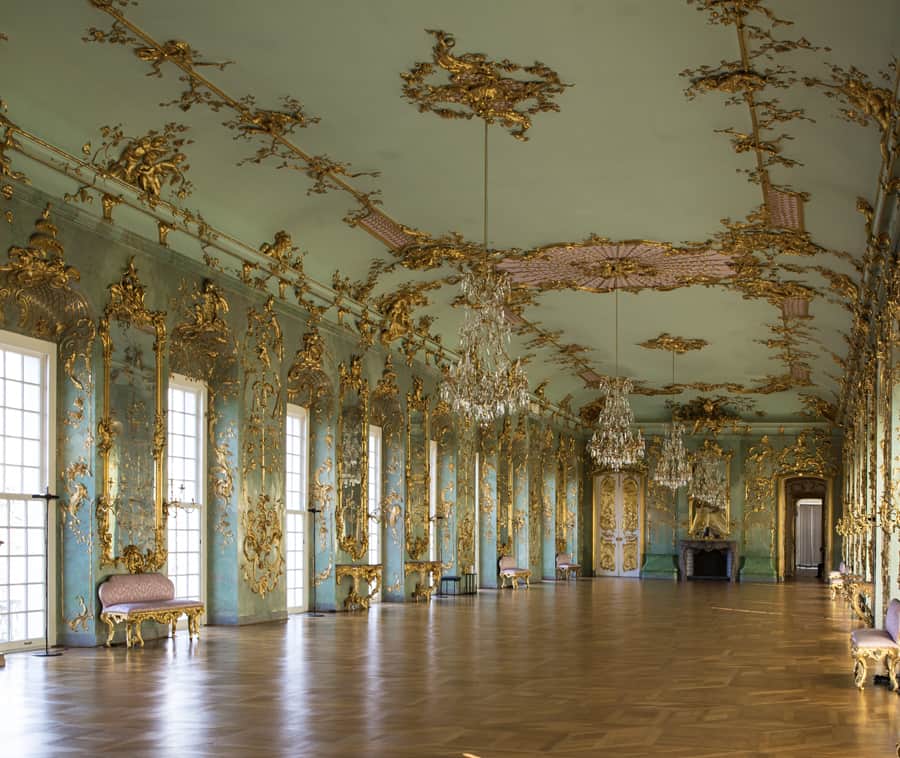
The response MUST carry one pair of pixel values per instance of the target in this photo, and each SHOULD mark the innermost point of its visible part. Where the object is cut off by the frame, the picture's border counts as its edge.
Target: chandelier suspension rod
(485, 230)
(616, 290)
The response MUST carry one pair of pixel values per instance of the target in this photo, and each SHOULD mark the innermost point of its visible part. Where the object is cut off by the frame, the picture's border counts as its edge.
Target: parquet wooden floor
(594, 668)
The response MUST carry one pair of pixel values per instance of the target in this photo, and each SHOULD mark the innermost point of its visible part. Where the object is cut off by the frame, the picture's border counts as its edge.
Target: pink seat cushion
(151, 605)
(892, 619)
(511, 570)
(135, 588)
(871, 638)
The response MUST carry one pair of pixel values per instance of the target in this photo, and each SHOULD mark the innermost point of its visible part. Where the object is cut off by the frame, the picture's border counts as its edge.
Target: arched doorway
(805, 514)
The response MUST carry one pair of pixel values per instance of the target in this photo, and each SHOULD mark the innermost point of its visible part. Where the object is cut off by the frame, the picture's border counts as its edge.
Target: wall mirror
(352, 454)
(418, 482)
(131, 435)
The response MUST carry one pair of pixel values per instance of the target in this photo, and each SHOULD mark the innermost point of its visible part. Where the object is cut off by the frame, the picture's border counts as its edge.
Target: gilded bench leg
(860, 670)
(137, 632)
(890, 661)
(112, 629)
(194, 625)
(174, 625)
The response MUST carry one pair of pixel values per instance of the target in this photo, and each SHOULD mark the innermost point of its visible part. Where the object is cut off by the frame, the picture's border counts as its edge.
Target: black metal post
(314, 613)
(47, 498)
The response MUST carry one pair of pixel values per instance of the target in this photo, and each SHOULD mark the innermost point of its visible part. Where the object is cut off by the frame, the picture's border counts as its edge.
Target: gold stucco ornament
(479, 87)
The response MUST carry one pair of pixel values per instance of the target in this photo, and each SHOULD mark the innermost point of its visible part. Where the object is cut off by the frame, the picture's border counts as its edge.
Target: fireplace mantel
(687, 548)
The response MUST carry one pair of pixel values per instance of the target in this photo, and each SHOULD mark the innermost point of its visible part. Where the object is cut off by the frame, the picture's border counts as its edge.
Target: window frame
(187, 384)
(47, 352)
(301, 412)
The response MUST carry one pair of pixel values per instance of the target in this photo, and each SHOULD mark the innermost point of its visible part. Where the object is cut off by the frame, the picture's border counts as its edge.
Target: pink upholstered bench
(566, 567)
(512, 573)
(135, 598)
(878, 645)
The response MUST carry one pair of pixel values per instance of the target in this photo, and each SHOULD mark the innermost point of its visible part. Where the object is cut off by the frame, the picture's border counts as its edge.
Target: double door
(618, 524)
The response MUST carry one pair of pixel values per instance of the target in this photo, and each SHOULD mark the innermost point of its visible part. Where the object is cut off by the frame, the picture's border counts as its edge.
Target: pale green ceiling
(628, 156)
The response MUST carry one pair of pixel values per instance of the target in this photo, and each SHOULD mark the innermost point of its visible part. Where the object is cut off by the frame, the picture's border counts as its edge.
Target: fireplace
(707, 559)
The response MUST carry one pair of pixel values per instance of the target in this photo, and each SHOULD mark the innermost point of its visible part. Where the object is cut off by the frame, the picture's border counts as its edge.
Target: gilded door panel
(631, 524)
(605, 494)
(618, 525)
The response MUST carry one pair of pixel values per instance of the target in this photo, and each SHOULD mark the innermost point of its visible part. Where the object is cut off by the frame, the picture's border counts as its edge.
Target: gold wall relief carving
(479, 88)
(308, 384)
(202, 344)
(418, 472)
(76, 497)
(321, 497)
(565, 519)
(505, 473)
(352, 461)
(81, 618)
(126, 307)
(283, 265)
(222, 478)
(262, 513)
(37, 281)
(703, 515)
(386, 411)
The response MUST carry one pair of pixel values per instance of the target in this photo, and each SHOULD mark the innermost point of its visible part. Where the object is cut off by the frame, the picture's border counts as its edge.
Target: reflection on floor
(593, 668)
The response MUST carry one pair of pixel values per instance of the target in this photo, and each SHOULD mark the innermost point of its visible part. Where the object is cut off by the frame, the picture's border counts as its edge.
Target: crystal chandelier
(673, 469)
(708, 483)
(614, 445)
(485, 383)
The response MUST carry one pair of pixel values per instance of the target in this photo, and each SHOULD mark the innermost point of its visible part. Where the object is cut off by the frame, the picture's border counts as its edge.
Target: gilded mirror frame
(126, 306)
(724, 456)
(416, 402)
(352, 381)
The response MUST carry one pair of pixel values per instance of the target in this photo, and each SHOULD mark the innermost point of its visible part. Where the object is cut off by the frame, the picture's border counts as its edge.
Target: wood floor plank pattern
(593, 668)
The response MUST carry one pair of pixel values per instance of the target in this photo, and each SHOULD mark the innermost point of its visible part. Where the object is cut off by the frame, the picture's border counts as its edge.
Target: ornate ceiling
(719, 162)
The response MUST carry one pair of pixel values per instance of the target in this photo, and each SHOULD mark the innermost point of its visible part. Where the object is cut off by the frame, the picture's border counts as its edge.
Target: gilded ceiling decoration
(769, 254)
(679, 345)
(712, 414)
(270, 128)
(478, 88)
(600, 265)
(148, 163)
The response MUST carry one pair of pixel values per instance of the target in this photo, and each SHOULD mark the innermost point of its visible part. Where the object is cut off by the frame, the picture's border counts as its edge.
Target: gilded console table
(423, 568)
(370, 573)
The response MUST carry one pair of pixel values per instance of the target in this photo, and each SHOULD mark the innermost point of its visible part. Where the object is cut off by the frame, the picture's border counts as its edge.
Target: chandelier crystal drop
(708, 482)
(614, 445)
(673, 470)
(485, 383)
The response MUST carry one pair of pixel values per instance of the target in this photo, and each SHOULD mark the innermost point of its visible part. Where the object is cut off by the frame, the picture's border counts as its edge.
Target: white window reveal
(296, 491)
(375, 556)
(27, 372)
(186, 491)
